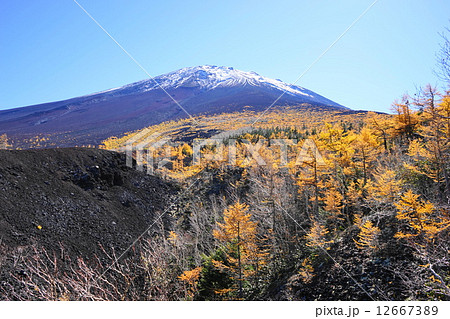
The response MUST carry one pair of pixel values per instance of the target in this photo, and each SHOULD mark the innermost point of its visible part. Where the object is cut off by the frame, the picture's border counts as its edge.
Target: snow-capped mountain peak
(209, 77)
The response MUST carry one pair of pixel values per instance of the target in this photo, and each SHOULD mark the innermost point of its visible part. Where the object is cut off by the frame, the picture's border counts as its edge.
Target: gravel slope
(77, 197)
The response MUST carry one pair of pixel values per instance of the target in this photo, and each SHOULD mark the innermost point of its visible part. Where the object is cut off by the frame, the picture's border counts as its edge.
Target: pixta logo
(153, 151)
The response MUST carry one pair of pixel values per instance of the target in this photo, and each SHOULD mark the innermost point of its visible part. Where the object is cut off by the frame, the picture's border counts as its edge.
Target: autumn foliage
(360, 199)
(244, 253)
(382, 178)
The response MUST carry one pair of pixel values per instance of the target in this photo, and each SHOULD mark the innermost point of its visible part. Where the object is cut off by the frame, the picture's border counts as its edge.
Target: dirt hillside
(77, 197)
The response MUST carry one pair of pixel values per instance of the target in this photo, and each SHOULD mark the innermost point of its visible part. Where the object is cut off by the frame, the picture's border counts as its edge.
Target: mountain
(199, 90)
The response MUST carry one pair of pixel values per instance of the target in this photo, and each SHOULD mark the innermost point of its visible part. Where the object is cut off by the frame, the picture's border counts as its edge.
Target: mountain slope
(78, 197)
(204, 89)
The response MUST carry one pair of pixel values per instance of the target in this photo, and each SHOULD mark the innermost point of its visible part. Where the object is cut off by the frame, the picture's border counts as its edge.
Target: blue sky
(50, 50)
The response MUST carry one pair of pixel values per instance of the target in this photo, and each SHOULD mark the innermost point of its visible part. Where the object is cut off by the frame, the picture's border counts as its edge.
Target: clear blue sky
(50, 50)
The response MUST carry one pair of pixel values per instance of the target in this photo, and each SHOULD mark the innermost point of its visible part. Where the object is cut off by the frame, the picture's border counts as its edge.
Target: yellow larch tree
(311, 167)
(382, 126)
(425, 228)
(385, 188)
(238, 234)
(339, 143)
(317, 237)
(367, 147)
(4, 141)
(190, 278)
(333, 204)
(433, 153)
(306, 271)
(406, 121)
(419, 217)
(368, 235)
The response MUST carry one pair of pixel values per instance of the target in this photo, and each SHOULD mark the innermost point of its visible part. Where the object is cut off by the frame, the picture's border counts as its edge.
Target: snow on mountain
(210, 77)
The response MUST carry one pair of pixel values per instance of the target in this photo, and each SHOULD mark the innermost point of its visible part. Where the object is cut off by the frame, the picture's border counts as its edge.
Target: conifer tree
(318, 237)
(419, 217)
(238, 233)
(366, 150)
(435, 132)
(385, 187)
(190, 278)
(381, 125)
(367, 238)
(405, 120)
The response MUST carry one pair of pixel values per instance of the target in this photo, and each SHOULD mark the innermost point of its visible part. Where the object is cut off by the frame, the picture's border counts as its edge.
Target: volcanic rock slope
(79, 198)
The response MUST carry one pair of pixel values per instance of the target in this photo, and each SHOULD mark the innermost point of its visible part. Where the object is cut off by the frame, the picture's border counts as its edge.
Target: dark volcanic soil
(77, 197)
